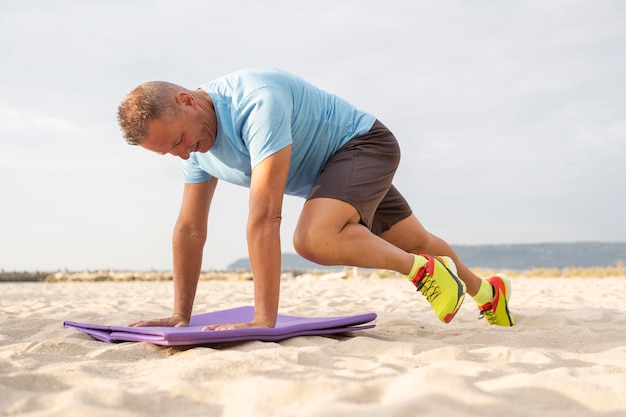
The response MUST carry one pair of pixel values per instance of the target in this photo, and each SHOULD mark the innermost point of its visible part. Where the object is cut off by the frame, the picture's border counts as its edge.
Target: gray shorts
(360, 173)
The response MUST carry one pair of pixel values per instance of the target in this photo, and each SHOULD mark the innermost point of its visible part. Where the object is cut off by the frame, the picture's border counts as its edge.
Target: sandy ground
(565, 357)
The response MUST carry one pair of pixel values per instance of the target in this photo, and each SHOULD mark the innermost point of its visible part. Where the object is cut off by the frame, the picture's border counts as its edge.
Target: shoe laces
(488, 313)
(428, 287)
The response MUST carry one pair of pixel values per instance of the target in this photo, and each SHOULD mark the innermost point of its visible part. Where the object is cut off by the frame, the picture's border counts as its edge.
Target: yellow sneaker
(497, 310)
(437, 281)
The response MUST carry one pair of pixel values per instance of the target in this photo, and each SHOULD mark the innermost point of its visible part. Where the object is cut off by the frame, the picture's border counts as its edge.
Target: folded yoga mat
(286, 327)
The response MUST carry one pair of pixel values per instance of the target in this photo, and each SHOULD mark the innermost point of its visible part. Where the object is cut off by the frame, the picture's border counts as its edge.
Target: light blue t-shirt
(261, 111)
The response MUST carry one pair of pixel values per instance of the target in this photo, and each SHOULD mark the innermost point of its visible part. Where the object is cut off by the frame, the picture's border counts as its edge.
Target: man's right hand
(177, 320)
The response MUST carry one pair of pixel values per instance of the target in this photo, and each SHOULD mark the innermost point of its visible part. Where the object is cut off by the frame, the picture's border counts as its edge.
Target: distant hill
(543, 255)
(516, 257)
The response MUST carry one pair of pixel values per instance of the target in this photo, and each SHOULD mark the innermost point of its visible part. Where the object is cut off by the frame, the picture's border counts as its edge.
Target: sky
(511, 117)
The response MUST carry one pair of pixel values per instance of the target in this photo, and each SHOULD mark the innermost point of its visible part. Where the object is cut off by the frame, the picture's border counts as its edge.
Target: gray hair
(149, 101)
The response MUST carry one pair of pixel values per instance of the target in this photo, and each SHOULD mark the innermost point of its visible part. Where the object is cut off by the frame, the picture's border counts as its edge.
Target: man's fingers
(233, 326)
(169, 322)
(143, 324)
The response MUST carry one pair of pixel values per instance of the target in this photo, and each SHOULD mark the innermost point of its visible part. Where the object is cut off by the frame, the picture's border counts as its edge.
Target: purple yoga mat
(286, 327)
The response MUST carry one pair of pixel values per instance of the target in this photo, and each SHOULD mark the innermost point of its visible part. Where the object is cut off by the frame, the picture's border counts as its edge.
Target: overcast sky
(511, 116)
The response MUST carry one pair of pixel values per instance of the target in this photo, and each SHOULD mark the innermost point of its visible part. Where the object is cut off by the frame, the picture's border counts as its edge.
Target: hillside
(516, 257)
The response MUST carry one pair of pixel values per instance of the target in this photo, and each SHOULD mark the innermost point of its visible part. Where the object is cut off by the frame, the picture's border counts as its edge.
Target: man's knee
(302, 243)
(310, 244)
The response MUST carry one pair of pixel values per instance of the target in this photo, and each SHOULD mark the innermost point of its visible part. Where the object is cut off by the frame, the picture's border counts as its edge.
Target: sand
(565, 357)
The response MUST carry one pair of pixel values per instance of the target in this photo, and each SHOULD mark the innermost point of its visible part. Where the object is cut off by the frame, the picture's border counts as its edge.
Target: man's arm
(188, 241)
(267, 188)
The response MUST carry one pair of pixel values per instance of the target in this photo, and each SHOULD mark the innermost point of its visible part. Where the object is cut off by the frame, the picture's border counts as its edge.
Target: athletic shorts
(360, 173)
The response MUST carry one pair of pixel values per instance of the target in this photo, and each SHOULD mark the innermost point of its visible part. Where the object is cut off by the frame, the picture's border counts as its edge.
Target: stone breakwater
(149, 276)
(13, 276)
(127, 276)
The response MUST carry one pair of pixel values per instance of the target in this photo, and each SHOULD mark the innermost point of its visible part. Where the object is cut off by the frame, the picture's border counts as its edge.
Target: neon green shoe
(437, 281)
(497, 311)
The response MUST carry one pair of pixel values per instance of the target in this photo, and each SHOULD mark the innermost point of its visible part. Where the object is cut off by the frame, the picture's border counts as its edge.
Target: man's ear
(184, 98)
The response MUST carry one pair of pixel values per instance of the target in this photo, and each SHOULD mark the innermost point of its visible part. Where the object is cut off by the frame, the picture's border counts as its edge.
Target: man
(277, 134)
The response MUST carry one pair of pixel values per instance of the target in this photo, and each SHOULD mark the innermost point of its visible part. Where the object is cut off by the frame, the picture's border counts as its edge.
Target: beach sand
(566, 356)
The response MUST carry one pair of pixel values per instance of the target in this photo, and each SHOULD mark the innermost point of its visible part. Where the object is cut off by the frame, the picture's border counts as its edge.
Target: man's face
(192, 130)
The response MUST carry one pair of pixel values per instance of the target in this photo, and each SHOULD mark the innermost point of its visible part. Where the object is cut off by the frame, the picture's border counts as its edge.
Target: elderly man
(277, 134)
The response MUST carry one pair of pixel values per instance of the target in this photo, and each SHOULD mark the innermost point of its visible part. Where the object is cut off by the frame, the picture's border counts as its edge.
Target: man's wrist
(266, 320)
(183, 316)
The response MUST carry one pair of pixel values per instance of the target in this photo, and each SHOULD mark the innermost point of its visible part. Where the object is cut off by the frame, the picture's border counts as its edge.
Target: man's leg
(329, 233)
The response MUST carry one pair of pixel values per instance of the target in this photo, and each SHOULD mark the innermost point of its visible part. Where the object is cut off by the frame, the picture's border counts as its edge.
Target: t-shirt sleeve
(266, 122)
